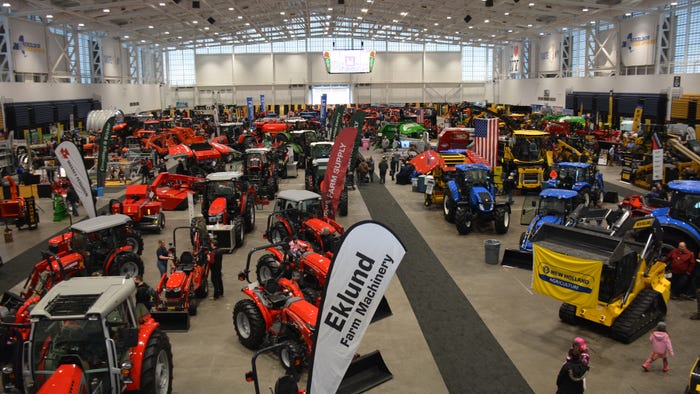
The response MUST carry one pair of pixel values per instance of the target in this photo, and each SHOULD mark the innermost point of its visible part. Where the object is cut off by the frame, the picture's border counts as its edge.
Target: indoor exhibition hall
(348, 196)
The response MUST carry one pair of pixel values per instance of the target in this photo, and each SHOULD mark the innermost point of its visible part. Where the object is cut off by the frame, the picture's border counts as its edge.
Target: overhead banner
(111, 57)
(103, 154)
(550, 53)
(336, 121)
(515, 60)
(324, 101)
(28, 42)
(338, 161)
(638, 46)
(358, 278)
(566, 278)
(249, 100)
(72, 162)
(262, 103)
(609, 45)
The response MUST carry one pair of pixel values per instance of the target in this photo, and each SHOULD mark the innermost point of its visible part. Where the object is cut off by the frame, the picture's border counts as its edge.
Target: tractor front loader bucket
(172, 320)
(517, 258)
(364, 373)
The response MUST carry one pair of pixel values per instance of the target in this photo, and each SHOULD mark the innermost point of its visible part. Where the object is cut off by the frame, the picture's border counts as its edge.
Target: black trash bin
(492, 250)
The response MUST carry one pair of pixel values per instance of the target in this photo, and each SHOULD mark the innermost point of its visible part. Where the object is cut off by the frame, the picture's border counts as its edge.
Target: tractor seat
(274, 294)
(186, 263)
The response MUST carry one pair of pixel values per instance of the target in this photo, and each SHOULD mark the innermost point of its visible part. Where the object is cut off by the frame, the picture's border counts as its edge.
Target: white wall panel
(291, 68)
(443, 66)
(252, 69)
(214, 70)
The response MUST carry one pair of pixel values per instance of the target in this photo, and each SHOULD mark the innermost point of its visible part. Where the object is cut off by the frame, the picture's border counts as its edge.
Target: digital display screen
(349, 61)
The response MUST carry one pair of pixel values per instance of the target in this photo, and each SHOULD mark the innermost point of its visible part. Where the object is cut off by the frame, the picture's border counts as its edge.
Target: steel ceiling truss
(134, 65)
(69, 53)
(664, 49)
(601, 56)
(6, 70)
(96, 60)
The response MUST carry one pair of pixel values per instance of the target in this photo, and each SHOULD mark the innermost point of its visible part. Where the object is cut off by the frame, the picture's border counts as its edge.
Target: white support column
(566, 48)
(525, 69)
(589, 52)
(664, 48)
(134, 65)
(6, 69)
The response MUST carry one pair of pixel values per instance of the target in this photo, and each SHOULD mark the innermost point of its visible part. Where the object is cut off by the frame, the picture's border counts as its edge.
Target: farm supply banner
(28, 47)
(358, 278)
(638, 41)
(338, 161)
(550, 53)
(566, 278)
(72, 161)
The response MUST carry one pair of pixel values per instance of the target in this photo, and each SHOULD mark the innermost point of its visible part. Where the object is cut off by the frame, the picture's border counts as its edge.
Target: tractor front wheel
(127, 264)
(136, 243)
(203, 289)
(249, 324)
(161, 222)
(239, 235)
(585, 195)
(448, 207)
(156, 371)
(278, 233)
(343, 204)
(268, 268)
(249, 216)
(502, 220)
(463, 220)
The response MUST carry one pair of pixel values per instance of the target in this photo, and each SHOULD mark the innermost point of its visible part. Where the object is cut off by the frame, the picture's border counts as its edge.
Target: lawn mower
(178, 290)
(611, 276)
(141, 208)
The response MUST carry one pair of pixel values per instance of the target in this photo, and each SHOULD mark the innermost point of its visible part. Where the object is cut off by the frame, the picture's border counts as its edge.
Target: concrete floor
(209, 357)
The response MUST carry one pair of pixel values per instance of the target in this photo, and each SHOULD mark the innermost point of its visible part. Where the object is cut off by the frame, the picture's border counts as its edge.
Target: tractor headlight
(125, 371)
(216, 218)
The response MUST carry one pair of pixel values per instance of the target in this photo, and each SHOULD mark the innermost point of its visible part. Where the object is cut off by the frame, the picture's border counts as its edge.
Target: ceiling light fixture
(106, 10)
(240, 16)
(126, 37)
(585, 10)
(150, 26)
(506, 13)
(49, 16)
(161, 4)
(364, 10)
(628, 14)
(81, 24)
(404, 13)
(281, 12)
(486, 21)
(206, 27)
(195, 22)
(529, 25)
(230, 8)
(6, 5)
(531, 5)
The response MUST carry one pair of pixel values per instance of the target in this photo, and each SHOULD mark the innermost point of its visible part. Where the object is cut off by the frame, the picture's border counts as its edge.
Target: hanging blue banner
(262, 103)
(324, 99)
(250, 108)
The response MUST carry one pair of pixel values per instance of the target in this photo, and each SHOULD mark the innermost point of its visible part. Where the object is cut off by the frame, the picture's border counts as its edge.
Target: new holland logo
(633, 40)
(25, 46)
(573, 281)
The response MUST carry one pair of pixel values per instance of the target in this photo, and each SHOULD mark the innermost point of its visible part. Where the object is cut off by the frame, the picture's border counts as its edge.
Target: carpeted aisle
(468, 356)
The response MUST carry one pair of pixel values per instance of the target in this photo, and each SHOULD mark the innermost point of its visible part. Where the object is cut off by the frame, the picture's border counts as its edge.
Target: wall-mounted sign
(28, 47)
(638, 45)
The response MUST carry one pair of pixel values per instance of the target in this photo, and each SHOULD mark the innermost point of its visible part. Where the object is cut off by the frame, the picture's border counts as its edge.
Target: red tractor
(228, 199)
(118, 230)
(172, 189)
(298, 214)
(141, 208)
(259, 165)
(87, 335)
(178, 290)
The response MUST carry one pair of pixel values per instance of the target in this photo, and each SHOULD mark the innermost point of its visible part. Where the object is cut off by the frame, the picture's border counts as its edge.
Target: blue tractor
(680, 221)
(470, 198)
(582, 178)
(554, 206)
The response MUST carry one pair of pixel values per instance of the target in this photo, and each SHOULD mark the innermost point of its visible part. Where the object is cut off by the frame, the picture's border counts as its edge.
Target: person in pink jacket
(660, 347)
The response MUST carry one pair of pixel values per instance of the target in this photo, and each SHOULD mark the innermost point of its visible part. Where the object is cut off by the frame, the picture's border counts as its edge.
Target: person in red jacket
(681, 261)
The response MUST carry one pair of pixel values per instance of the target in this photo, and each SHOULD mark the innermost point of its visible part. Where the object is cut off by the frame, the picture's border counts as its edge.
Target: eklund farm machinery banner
(72, 162)
(359, 276)
(28, 43)
(638, 46)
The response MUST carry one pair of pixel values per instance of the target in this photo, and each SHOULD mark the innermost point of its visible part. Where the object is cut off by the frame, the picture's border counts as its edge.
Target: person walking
(144, 171)
(72, 198)
(383, 167)
(144, 293)
(571, 377)
(394, 164)
(385, 144)
(216, 275)
(682, 263)
(370, 169)
(508, 187)
(163, 257)
(362, 170)
(661, 347)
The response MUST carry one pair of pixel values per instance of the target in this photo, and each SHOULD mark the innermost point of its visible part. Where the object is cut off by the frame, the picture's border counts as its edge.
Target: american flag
(419, 116)
(486, 139)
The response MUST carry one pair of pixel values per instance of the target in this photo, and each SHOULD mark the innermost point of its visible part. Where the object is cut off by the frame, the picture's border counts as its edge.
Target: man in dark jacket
(508, 187)
(216, 279)
(144, 293)
(383, 167)
(571, 375)
(72, 198)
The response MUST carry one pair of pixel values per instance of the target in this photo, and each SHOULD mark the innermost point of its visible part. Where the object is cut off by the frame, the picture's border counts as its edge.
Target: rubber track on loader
(637, 319)
(567, 314)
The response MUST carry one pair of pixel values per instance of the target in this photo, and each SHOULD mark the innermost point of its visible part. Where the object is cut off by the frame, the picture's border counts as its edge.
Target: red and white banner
(486, 139)
(358, 278)
(334, 180)
(71, 161)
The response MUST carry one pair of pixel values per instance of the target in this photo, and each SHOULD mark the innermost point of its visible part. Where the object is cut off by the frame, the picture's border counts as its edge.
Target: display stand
(224, 234)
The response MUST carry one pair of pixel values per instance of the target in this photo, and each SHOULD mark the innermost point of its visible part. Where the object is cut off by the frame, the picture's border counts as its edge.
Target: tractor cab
(259, 167)
(583, 178)
(88, 334)
(304, 140)
(469, 175)
(318, 150)
(100, 238)
(685, 202)
(528, 145)
(292, 208)
(222, 197)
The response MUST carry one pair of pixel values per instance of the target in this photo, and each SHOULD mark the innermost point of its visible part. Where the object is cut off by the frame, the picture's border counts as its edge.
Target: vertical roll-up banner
(336, 121)
(262, 103)
(103, 157)
(324, 101)
(357, 121)
(72, 162)
(338, 161)
(359, 276)
(249, 100)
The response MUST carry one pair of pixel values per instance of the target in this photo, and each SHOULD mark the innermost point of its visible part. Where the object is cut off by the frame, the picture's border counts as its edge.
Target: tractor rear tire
(464, 221)
(157, 367)
(448, 207)
(249, 324)
(585, 196)
(136, 242)
(502, 220)
(203, 290)
(239, 235)
(343, 204)
(640, 316)
(267, 268)
(278, 233)
(249, 216)
(126, 264)
(567, 314)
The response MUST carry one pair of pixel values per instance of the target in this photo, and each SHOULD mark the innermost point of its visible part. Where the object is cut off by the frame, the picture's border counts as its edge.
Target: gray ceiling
(178, 22)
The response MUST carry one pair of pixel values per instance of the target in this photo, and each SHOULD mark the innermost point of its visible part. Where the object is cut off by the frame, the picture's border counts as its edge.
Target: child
(579, 346)
(660, 347)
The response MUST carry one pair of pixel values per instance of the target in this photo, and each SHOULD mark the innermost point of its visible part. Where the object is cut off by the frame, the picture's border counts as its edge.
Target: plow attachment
(364, 373)
(172, 320)
(517, 258)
